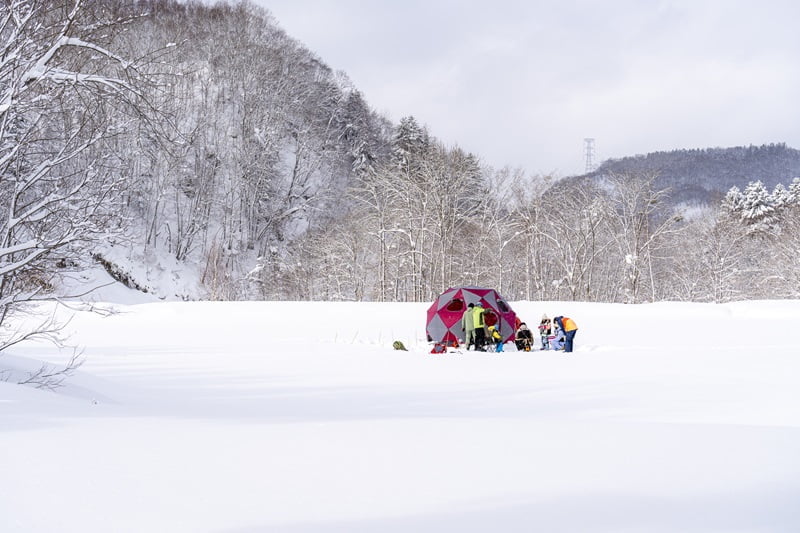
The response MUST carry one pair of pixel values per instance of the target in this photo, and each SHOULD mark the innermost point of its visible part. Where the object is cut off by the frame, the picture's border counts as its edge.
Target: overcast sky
(522, 83)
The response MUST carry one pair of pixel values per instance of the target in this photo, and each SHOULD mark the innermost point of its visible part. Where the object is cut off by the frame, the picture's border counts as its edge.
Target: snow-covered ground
(300, 417)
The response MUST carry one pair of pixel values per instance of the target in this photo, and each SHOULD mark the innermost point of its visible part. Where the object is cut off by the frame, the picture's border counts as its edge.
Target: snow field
(299, 417)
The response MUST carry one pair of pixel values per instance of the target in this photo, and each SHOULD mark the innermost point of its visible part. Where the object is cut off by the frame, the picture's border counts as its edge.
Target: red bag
(439, 347)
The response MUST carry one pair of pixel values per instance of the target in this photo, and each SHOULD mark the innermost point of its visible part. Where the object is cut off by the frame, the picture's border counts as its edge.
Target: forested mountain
(260, 139)
(704, 176)
(198, 151)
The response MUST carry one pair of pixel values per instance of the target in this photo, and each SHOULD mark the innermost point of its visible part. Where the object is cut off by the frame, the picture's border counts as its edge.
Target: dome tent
(444, 315)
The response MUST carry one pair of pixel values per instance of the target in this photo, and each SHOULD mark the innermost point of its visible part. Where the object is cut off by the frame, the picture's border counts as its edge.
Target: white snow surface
(300, 417)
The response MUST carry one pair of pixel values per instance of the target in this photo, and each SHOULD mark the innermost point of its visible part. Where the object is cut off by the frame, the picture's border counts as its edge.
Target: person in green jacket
(468, 326)
(480, 327)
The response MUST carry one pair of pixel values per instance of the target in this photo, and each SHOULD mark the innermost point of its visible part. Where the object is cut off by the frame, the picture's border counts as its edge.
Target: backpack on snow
(439, 347)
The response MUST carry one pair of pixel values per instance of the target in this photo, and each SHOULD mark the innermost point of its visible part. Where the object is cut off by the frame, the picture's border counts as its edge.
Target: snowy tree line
(137, 130)
(617, 240)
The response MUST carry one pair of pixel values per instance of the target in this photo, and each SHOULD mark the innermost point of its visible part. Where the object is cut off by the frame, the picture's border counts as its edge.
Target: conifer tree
(758, 206)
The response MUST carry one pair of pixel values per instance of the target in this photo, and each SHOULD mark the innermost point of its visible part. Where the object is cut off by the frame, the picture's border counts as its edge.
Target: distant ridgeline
(703, 176)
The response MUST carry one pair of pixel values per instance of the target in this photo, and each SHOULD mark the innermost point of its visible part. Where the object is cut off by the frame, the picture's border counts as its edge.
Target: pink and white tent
(444, 315)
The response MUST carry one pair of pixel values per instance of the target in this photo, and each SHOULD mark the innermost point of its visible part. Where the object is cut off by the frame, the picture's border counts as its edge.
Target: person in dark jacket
(523, 338)
(480, 327)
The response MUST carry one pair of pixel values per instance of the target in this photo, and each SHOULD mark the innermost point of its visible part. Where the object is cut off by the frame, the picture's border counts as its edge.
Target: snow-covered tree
(732, 203)
(63, 98)
(409, 143)
(758, 206)
(781, 197)
(794, 192)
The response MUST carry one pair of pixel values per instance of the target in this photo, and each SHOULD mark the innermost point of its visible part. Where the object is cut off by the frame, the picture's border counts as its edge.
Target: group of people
(555, 334)
(476, 333)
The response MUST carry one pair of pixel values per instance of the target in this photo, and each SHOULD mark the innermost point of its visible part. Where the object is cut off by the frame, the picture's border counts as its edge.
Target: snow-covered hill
(698, 177)
(300, 417)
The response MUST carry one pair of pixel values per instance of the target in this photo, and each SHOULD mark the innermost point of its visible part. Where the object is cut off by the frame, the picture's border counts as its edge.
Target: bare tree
(63, 99)
(639, 225)
(530, 247)
(708, 261)
(452, 183)
(574, 233)
(372, 197)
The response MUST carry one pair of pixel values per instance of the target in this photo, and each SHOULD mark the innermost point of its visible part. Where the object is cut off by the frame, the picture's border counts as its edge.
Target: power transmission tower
(588, 144)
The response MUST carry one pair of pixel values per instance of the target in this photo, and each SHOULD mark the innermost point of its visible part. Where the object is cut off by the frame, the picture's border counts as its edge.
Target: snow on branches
(61, 97)
(757, 208)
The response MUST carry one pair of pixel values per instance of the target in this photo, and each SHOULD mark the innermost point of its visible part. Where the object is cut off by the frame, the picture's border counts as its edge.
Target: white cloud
(524, 84)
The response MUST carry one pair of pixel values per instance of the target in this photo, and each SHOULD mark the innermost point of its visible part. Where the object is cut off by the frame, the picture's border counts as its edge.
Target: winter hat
(544, 317)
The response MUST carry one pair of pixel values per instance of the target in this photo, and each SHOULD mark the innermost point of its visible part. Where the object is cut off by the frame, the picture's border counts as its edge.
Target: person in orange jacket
(569, 328)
